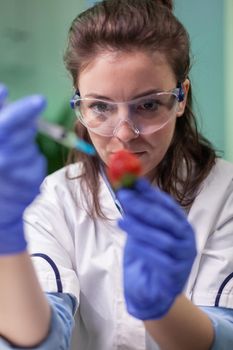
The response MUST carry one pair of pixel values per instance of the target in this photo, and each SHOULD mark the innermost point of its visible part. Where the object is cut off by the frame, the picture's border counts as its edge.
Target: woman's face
(120, 77)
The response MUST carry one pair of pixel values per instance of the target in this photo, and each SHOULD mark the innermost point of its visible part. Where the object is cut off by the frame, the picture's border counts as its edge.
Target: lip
(139, 152)
(131, 151)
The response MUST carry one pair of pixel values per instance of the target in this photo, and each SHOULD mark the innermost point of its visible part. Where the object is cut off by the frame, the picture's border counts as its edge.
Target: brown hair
(148, 25)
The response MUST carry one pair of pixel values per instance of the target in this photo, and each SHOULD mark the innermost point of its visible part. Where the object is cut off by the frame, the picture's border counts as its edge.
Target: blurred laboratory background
(33, 37)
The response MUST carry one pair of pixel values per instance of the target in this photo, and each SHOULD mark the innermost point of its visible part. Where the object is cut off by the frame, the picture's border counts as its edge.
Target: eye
(99, 107)
(148, 105)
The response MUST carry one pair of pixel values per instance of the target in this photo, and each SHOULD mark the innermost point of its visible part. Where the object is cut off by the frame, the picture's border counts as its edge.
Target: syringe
(64, 137)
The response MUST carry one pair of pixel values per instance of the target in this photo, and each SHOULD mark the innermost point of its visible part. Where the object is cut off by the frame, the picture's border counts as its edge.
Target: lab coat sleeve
(62, 322)
(51, 238)
(214, 280)
(222, 320)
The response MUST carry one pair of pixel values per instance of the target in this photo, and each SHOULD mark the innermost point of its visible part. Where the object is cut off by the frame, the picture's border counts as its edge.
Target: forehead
(126, 73)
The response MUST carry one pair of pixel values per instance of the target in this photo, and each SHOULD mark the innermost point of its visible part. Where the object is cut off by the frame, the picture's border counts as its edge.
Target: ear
(182, 104)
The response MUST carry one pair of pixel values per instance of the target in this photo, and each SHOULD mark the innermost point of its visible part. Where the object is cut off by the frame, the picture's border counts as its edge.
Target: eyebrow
(142, 94)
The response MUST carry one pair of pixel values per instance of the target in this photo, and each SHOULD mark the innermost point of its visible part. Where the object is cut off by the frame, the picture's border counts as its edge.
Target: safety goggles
(144, 115)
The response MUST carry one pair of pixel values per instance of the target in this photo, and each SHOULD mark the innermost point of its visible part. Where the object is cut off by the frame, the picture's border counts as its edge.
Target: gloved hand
(22, 168)
(159, 251)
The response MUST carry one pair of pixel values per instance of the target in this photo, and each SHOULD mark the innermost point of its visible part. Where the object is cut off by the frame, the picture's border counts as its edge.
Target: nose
(125, 131)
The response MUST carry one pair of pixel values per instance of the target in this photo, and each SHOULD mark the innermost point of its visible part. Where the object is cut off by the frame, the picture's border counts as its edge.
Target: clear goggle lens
(146, 114)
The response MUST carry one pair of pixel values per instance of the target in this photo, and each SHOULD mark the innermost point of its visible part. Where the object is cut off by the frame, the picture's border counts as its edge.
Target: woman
(129, 61)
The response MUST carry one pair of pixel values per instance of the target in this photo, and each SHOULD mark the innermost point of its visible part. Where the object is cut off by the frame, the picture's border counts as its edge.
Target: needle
(64, 137)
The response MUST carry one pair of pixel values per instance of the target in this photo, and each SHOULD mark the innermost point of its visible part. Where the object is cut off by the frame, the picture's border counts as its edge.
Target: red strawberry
(123, 169)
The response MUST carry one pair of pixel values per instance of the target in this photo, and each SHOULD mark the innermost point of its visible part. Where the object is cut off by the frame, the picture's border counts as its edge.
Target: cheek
(162, 138)
(159, 144)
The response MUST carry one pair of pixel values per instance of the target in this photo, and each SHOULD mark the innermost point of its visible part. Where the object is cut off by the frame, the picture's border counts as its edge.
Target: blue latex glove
(22, 168)
(159, 251)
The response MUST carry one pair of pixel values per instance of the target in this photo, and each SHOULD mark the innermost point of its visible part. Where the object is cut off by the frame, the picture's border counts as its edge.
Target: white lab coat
(81, 256)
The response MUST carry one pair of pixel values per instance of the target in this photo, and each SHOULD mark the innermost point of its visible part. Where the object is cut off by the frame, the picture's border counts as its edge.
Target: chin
(149, 172)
